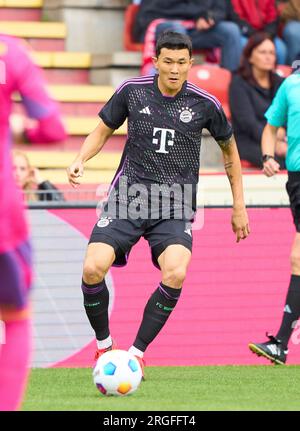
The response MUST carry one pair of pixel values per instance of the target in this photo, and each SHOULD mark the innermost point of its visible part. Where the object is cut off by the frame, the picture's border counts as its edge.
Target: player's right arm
(112, 116)
(91, 146)
(268, 142)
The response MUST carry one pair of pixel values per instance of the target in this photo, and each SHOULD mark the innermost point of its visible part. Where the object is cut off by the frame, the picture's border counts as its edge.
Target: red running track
(232, 295)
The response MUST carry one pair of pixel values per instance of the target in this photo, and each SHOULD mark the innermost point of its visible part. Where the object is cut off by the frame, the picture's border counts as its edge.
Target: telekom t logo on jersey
(162, 137)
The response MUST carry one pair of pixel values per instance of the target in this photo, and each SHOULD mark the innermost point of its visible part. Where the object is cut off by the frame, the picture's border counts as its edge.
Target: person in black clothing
(211, 29)
(166, 115)
(31, 182)
(251, 92)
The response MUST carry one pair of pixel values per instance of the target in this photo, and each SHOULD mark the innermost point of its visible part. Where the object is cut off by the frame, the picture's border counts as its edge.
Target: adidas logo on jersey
(145, 111)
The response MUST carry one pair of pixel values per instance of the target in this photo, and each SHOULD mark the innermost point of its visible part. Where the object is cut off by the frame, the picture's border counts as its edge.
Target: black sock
(96, 300)
(291, 311)
(156, 313)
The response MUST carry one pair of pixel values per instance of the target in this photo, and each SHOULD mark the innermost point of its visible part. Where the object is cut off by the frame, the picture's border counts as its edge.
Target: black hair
(173, 40)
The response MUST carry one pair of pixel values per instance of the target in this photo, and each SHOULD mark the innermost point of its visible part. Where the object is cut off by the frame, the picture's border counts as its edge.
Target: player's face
(263, 57)
(21, 170)
(173, 66)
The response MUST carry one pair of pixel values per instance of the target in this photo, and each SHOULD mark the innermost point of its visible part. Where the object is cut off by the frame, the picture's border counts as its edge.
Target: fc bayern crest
(104, 221)
(186, 114)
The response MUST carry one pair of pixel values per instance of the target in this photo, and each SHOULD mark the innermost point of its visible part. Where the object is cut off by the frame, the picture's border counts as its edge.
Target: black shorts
(293, 189)
(122, 234)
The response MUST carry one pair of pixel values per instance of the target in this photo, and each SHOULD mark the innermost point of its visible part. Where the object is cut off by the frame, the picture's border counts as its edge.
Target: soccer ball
(117, 372)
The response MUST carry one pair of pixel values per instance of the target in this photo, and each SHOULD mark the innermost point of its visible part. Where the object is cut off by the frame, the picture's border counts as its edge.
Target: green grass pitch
(171, 388)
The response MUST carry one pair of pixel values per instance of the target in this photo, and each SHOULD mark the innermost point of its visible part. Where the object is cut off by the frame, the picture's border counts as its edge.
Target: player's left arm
(232, 164)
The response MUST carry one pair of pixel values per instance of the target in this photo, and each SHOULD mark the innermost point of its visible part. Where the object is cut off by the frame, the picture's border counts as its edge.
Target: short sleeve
(218, 124)
(115, 111)
(276, 115)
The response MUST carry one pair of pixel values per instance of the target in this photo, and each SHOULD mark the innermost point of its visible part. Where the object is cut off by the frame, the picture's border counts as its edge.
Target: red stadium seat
(283, 70)
(213, 79)
(129, 43)
(247, 165)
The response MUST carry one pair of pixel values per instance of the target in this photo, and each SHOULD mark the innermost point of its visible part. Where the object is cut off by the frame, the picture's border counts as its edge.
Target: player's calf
(156, 313)
(96, 301)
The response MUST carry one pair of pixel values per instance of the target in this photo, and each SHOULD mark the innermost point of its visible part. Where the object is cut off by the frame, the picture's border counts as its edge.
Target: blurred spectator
(205, 23)
(258, 15)
(251, 92)
(43, 123)
(29, 179)
(290, 15)
(18, 73)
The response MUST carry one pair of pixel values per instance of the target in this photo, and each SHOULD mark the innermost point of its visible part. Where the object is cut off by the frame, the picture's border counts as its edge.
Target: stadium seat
(62, 59)
(81, 93)
(213, 79)
(21, 3)
(51, 30)
(82, 125)
(129, 43)
(248, 165)
(21, 10)
(283, 70)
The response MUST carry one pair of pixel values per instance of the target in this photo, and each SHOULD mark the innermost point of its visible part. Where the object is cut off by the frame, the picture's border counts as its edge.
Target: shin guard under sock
(156, 313)
(96, 300)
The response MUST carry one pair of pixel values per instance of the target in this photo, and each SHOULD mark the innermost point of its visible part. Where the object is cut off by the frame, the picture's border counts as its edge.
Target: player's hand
(75, 171)
(203, 24)
(240, 223)
(271, 167)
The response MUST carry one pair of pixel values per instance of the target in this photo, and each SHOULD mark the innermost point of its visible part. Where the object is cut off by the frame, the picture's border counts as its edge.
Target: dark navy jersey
(164, 133)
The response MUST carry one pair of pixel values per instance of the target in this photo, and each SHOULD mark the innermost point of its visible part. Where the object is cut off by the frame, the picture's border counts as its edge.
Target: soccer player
(18, 73)
(166, 115)
(285, 112)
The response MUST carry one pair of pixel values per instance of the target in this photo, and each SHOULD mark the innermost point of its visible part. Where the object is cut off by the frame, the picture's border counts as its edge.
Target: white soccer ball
(117, 372)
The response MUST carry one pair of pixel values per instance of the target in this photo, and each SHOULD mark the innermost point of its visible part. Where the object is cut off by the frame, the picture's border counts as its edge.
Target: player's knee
(93, 272)
(174, 276)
